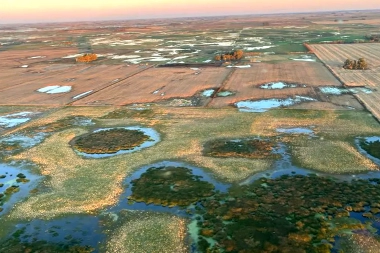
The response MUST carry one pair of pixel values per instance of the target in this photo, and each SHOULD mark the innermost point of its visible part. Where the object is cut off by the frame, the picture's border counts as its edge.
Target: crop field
(158, 84)
(335, 55)
(82, 80)
(246, 82)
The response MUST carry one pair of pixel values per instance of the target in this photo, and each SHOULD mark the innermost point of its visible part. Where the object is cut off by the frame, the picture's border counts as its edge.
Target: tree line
(231, 56)
(352, 64)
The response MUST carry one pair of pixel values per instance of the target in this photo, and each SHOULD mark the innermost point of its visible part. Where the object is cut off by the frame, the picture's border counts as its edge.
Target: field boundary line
(111, 84)
(325, 64)
(221, 87)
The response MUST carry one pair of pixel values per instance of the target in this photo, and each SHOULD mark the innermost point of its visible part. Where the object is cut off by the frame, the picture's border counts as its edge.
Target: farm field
(245, 83)
(157, 84)
(335, 55)
(129, 153)
(80, 79)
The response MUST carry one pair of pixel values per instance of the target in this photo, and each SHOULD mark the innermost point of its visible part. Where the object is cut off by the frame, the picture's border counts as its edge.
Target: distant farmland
(334, 55)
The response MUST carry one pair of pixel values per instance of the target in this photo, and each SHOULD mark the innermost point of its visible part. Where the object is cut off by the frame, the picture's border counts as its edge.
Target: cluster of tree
(373, 38)
(87, 58)
(231, 56)
(352, 64)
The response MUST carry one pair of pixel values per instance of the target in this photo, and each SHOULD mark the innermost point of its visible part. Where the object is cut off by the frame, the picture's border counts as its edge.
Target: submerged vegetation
(14, 245)
(287, 214)
(372, 148)
(245, 148)
(170, 186)
(109, 141)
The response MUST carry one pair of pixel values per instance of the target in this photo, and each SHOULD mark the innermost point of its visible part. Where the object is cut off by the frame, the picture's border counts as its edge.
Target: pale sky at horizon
(24, 11)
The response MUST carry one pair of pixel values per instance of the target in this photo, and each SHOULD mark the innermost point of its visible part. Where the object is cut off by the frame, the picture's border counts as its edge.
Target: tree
(232, 56)
(348, 64)
(87, 58)
(352, 64)
(362, 64)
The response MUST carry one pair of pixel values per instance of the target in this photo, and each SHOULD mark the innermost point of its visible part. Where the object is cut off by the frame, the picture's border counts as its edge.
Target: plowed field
(246, 82)
(22, 90)
(157, 84)
(334, 55)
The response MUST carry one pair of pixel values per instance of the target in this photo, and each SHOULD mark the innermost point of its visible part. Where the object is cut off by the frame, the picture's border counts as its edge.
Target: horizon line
(185, 16)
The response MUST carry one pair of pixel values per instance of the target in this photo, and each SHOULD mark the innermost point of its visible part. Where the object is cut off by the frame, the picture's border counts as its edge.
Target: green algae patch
(109, 141)
(242, 148)
(170, 186)
(305, 213)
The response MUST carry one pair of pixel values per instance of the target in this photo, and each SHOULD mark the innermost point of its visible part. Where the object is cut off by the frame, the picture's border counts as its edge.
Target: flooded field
(264, 105)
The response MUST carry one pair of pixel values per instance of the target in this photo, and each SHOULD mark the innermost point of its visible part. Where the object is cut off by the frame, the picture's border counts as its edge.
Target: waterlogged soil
(296, 130)
(170, 186)
(341, 90)
(242, 148)
(371, 145)
(287, 214)
(15, 119)
(129, 113)
(76, 234)
(15, 184)
(61, 124)
(109, 141)
(285, 209)
(278, 86)
(225, 93)
(208, 93)
(86, 233)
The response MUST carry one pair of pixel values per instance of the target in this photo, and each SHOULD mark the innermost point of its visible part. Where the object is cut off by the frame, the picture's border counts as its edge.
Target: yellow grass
(331, 156)
(147, 232)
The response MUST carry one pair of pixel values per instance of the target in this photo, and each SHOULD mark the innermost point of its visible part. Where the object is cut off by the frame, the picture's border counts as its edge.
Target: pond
(370, 147)
(266, 104)
(15, 119)
(15, 184)
(296, 130)
(277, 85)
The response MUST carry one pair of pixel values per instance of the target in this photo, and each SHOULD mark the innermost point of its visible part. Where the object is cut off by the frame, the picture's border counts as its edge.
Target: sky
(25, 11)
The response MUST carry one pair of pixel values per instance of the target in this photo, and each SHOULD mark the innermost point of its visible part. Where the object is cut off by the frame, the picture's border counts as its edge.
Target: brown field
(81, 77)
(171, 83)
(246, 82)
(17, 58)
(334, 56)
